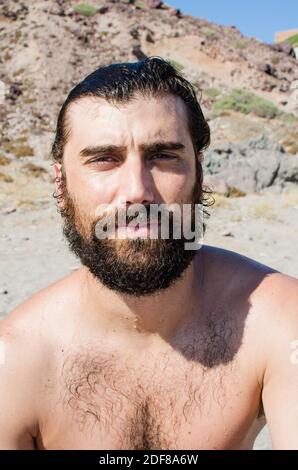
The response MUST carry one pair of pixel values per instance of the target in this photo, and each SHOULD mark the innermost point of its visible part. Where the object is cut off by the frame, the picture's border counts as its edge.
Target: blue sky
(257, 18)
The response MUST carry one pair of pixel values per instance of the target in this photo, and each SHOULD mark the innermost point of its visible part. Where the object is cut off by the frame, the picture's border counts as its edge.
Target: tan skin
(192, 367)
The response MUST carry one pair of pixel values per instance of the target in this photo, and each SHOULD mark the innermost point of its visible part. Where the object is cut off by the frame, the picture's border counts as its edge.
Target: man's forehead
(96, 108)
(153, 118)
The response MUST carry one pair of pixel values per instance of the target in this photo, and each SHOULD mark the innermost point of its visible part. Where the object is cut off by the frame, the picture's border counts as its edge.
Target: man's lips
(139, 225)
(134, 229)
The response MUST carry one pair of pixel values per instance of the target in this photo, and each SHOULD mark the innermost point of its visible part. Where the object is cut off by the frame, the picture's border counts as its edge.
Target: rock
(61, 12)
(149, 38)
(154, 4)
(235, 72)
(175, 12)
(286, 67)
(241, 180)
(81, 35)
(8, 210)
(15, 91)
(216, 184)
(284, 88)
(285, 47)
(268, 86)
(15, 11)
(134, 33)
(248, 167)
(261, 142)
(102, 10)
(227, 233)
(266, 164)
(288, 171)
(219, 157)
(266, 68)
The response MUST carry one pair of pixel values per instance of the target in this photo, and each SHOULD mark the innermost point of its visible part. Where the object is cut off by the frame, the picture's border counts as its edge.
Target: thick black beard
(136, 267)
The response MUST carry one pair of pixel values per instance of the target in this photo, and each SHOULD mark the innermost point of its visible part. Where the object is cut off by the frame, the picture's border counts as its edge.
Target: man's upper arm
(17, 418)
(280, 384)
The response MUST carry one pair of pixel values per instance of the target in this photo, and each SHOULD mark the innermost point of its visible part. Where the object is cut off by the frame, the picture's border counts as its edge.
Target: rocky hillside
(248, 88)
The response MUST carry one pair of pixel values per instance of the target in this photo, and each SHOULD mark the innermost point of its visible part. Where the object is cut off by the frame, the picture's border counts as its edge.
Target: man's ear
(58, 177)
(57, 170)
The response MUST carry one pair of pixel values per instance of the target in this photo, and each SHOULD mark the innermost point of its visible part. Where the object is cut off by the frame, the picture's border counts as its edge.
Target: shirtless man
(147, 345)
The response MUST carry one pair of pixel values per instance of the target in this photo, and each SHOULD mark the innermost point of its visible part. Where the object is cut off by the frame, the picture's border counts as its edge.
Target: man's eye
(111, 159)
(103, 159)
(163, 156)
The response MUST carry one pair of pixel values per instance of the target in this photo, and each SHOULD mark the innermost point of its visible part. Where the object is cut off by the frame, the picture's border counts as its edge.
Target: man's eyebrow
(146, 148)
(158, 146)
(92, 150)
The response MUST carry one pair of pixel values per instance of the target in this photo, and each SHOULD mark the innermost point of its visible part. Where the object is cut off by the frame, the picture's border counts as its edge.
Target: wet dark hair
(120, 83)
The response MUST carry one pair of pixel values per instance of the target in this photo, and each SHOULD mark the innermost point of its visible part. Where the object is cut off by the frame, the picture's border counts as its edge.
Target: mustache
(124, 217)
(167, 221)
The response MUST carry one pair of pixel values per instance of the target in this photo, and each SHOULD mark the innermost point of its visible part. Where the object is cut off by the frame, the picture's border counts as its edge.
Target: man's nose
(137, 184)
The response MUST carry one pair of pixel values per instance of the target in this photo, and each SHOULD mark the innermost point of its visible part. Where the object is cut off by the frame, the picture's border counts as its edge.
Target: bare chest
(158, 401)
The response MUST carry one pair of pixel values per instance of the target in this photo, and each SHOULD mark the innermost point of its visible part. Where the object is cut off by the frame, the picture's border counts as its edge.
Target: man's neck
(161, 313)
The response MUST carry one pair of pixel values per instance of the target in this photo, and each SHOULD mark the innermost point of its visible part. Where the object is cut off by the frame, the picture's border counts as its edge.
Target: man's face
(129, 170)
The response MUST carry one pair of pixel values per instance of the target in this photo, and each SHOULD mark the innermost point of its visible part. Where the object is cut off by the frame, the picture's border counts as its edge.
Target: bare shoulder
(268, 298)
(276, 306)
(28, 331)
(232, 259)
(236, 275)
(25, 330)
(270, 291)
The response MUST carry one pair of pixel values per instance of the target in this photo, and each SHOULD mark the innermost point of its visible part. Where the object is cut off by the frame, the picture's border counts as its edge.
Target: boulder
(249, 167)
(288, 172)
